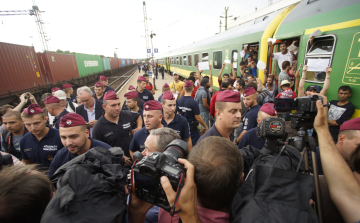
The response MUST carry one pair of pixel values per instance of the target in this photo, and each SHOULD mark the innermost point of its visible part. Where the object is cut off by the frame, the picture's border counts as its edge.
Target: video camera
(149, 169)
(272, 129)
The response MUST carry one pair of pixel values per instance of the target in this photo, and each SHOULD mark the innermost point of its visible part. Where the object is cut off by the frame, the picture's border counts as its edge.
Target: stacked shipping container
(88, 64)
(106, 63)
(114, 62)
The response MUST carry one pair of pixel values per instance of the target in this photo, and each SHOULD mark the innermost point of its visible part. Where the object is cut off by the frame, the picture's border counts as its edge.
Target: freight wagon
(339, 43)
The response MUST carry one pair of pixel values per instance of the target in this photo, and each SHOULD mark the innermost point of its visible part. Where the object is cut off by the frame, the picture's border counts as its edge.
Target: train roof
(316, 13)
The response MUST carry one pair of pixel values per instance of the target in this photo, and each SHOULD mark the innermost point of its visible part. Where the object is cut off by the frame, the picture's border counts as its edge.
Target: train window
(196, 59)
(322, 47)
(184, 60)
(189, 61)
(177, 60)
(180, 60)
(234, 59)
(217, 59)
(205, 57)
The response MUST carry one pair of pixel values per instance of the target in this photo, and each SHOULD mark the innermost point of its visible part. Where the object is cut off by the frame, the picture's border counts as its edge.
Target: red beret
(141, 78)
(51, 100)
(269, 109)
(228, 96)
(55, 89)
(152, 105)
(131, 95)
(165, 85)
(71, 120)
(67, 86)
(33, 109)
(353, 124)
(110, 95)
(131, 87)
(98, 84)
(103, 78)
(188, 84)
(249, 91)
(168, 95)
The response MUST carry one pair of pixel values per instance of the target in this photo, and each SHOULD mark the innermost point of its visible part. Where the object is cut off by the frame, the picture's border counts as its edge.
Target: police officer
(165, 87)
(54, 107)
(251, 137)
(99, 91)
(144, 93)
(114, 126)
(131, 101)
(105, 83)
(228, 116)
(152, 113)
(54, 89)
(249, 121)
(42, 143)
(75, 138)
(68, 89)
(140, 102)
(189, 109)
(173, 120)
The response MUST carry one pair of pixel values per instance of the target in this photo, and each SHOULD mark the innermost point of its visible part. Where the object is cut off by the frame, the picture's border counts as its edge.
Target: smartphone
(27, 96)
(300, 67)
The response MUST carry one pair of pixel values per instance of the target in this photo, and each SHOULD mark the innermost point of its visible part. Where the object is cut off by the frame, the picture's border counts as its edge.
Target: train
(339, 42)
(24, 70)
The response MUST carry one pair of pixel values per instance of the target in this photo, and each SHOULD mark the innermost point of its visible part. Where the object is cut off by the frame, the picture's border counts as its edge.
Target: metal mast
(146, 29)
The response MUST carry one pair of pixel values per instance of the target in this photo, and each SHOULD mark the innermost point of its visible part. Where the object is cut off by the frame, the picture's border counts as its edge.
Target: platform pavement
(158, 82)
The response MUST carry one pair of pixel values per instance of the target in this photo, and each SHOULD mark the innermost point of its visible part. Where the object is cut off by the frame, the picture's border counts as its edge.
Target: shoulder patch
(246, 121)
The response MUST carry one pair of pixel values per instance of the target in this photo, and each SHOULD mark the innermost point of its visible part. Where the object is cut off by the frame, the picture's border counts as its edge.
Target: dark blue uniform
(140, 105)
(140, 112)
(188, 108)
(100, 99)
(159, 98)
(138, 141)
(118, 135)
(180, 125)
(108, 88)
(146, 95)
(64, 156)
(214, 132)
(41, 152)
(57, 119)
(249, 121)
(251, 138)
(72, 99)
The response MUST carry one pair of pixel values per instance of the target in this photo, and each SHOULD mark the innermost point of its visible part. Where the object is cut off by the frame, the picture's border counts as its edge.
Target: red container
(57, 67)
(119, 61)
(114, 62)
(19, 69)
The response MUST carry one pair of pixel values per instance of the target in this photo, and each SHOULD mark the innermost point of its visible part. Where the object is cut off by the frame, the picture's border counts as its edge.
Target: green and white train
(339, 22)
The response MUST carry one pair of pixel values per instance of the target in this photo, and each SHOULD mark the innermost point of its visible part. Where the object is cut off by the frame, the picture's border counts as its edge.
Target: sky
(99, 27)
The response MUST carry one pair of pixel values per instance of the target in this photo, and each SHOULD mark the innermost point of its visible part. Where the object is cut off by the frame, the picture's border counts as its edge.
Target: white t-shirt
(280, 58)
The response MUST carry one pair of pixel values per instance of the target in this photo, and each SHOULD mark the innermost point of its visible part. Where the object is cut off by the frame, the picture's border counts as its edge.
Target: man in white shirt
(283, 55)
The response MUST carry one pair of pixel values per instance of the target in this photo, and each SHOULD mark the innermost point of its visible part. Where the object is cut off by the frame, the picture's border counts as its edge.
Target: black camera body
(271, 128)
(149, 169)
(303, 104)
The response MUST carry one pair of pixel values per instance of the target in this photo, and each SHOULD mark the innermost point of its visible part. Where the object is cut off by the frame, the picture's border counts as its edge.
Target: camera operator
(251, 137)
(343, 187)
(228, 116)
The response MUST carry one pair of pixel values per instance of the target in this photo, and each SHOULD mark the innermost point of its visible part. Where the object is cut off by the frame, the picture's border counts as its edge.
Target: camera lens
(176, 149)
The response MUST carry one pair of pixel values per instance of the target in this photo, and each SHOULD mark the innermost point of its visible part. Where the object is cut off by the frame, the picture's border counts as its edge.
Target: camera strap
(178, 191)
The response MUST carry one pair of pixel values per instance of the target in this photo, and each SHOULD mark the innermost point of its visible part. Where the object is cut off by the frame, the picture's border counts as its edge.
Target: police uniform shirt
(159, 98)
(249, 120)
(140, 105)
(100, 99)
(108, 88)
(180, 125)
(188, 108)
(57, 119)
(213, 132)
(250, 138)
(140, 112)
(146, 95)
(41, 152)
(64, 156)
(138, 141)
(116, 135)
(71, 99)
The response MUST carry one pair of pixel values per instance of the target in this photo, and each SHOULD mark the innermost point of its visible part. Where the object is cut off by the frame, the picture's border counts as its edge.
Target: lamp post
(152, 51)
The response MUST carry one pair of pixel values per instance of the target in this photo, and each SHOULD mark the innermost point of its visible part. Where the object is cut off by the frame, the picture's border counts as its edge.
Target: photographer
(343, 187)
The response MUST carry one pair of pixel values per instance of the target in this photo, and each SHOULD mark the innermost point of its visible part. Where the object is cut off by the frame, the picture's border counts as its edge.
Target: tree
(59, 51)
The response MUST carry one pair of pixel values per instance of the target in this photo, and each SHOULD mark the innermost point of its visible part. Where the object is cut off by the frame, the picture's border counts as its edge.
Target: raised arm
(211, 76)
(302, 82)
(297, 80)
(270, 53)
(233, 72)
(198, 73)
(220, 72)
(326, 82)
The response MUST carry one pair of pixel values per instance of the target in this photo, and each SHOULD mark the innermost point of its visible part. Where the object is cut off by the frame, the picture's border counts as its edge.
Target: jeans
(205, 116)
(162, 74)
(195, 136)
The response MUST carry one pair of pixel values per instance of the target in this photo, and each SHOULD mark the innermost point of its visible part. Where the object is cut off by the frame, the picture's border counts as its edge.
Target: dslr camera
(149, 169)
(271, 128)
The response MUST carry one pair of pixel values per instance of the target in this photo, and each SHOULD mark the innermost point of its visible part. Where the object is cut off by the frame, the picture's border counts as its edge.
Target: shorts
(205, 116)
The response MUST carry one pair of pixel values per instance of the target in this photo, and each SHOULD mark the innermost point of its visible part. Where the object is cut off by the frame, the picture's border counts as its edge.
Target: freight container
(114, 62)
(19, 69)
(119, 60)
(123, 62)
(88, 64)
(106, 63)
(128, 62)
(57, 67)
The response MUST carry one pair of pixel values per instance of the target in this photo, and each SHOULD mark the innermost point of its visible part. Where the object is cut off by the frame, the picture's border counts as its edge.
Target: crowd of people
(48, 136)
